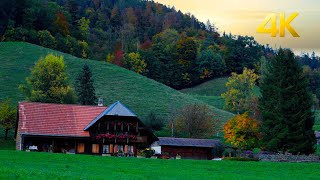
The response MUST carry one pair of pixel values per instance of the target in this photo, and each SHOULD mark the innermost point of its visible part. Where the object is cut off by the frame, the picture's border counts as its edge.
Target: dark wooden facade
(200, 153)
(187, 148)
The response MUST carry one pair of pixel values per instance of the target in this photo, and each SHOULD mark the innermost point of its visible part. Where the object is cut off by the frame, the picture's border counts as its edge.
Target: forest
(149, 38)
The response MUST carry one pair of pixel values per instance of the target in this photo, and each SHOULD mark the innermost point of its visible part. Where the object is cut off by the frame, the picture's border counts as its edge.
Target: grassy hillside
(209, 92)
(214, 87)
(113, 83)
(19, 165)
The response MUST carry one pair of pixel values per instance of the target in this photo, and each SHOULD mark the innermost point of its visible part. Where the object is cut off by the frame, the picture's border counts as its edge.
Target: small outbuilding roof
(188, 142)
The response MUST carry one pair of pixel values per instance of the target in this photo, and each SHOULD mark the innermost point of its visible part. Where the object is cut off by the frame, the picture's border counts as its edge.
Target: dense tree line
(170, 47)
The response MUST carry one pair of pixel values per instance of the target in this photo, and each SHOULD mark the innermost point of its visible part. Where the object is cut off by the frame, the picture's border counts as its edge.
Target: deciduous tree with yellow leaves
(242, 132)
(240, 94)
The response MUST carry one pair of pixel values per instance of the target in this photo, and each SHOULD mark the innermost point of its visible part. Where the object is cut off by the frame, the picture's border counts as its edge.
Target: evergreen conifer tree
(286, 106)
(84, 87)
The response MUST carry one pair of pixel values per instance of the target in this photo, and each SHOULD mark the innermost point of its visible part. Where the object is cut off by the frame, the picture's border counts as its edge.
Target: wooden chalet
(186, 148)
(81, 129)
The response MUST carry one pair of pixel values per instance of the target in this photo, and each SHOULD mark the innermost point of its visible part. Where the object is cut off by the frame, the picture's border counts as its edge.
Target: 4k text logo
(284, 24)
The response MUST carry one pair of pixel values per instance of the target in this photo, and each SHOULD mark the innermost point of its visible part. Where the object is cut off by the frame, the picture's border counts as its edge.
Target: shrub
(227, 152)
(141, 153)
(148, 153)
(240, 159)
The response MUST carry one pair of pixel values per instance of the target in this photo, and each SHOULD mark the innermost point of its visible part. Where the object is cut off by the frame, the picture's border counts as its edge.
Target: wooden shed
(187, 148)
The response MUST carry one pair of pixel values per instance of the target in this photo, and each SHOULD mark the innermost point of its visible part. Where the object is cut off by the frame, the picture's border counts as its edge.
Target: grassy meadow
(113, 83)
(23, 165)
(209, 92)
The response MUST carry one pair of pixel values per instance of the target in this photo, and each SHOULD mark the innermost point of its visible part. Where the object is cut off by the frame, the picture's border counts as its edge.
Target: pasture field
(112, 83)
(209, 92)
(34, 165)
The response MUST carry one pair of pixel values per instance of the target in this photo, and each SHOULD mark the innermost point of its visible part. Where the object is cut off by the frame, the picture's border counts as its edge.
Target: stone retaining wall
(288, 158)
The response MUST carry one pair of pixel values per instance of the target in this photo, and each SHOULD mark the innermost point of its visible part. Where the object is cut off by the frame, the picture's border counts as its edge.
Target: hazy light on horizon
(243, 17)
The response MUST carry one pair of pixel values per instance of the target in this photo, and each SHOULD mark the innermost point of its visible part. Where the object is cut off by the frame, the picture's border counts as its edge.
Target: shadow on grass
(8, 144)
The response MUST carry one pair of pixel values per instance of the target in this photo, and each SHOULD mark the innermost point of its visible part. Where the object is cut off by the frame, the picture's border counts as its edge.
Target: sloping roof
(187, 142)
(116, 109)
(56, 119)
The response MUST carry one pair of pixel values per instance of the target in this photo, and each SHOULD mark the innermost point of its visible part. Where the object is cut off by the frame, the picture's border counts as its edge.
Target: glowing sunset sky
(243, 18)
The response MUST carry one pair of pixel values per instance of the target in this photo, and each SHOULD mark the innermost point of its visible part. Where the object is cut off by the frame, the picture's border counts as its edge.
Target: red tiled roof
(56, 119)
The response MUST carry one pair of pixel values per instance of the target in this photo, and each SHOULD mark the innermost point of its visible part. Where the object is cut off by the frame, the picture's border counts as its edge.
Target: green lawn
(113, 83)
(22, 165)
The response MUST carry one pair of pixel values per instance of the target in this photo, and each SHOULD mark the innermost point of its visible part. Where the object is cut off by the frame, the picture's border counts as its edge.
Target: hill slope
(113, 83)
(209, 92)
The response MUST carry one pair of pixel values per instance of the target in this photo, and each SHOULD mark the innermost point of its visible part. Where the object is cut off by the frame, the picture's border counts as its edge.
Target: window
(95, 148)
(120, 148)
(130, 149)
(80, 148)
(105, 149)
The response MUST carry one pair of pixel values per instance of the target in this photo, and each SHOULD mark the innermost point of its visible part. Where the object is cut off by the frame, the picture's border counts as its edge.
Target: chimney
(100, 102)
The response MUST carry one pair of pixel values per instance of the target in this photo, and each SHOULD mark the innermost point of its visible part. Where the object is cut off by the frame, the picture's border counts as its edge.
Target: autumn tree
(196, 121)
(84, 27)
(62, 24)
(7, 116)
(48, 82)
(118, 58)
(286, 106)
(84, 87)
(135, 63)
(130, 16)
(84, 48)
(187, 54)
(240, 91)
(242, 132)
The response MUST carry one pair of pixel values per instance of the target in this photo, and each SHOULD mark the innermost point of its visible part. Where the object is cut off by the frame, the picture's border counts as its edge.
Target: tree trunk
(6, 134)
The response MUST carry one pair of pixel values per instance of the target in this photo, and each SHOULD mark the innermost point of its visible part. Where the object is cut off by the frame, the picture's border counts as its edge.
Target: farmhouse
(187, 148)
(81, 129)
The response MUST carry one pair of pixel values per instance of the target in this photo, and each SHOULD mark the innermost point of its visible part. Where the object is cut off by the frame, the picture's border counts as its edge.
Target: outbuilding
(187, 148)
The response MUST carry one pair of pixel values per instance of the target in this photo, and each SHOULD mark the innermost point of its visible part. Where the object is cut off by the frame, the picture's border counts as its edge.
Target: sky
(242, 17)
